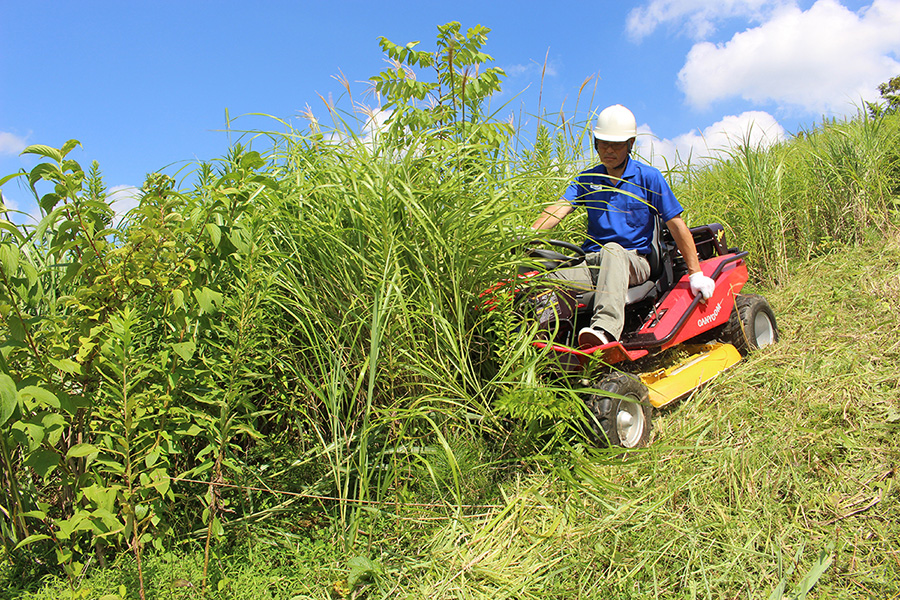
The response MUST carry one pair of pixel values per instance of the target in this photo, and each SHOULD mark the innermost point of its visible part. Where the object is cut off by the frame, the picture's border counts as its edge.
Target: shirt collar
(629, 172)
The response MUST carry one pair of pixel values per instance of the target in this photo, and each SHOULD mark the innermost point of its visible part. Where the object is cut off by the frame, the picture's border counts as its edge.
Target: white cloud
(532, 69)
(11, 143)
(122, 198)
(375, 122)
(20, 212)
(753, 128)
(697, 18)
(825, 59)
(517, 70)
(8, 203)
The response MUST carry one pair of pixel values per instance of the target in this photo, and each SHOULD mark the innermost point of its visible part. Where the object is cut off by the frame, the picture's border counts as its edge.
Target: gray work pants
(609, 273)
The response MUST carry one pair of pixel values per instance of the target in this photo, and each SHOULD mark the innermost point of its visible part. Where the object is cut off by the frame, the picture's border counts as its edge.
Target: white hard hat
(615, 124)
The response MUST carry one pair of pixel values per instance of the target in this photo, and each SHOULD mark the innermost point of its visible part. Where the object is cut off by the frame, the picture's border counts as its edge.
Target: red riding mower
(672, 342)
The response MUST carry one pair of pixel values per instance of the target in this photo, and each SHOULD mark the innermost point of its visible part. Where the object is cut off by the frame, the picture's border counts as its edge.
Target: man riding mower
(641, 283)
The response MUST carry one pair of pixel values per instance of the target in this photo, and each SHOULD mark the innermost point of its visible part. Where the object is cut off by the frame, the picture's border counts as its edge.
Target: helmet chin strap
(624, 162)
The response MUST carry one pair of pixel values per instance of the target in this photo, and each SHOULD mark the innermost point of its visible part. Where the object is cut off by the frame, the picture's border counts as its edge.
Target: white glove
(701, 284)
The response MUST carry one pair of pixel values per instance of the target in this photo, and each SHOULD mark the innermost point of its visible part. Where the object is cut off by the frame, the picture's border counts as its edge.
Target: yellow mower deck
(705, 362)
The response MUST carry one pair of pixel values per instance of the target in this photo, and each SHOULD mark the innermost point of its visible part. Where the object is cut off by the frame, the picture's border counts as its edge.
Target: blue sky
(145, 86)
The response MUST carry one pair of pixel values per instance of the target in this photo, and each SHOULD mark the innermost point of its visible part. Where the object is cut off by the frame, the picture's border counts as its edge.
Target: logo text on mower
(710, 318)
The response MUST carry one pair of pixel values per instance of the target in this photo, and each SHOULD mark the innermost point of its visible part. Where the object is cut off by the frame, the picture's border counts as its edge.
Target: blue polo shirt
(620, 211)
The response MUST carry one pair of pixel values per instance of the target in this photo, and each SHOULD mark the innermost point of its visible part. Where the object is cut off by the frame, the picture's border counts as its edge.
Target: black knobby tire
(619, 412)
(752, 324)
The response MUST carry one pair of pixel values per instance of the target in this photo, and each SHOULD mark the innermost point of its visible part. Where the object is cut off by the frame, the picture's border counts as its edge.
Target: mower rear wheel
(752, 324)
(619, 412)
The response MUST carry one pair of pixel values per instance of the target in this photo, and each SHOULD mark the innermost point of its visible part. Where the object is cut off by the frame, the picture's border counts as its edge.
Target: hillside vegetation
(276, 379)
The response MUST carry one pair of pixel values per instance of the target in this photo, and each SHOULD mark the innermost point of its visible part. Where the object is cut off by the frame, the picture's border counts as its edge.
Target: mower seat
(660, 269)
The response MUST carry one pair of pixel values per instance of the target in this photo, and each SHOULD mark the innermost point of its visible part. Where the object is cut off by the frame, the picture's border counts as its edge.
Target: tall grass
(383, 260)
(822, 189)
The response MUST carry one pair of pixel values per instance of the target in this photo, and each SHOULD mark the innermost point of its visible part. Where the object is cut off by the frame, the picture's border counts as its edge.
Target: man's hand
(701, 284)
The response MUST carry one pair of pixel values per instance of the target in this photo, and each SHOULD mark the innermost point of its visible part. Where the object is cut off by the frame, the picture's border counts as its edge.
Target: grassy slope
(768, 465)
(789, 456)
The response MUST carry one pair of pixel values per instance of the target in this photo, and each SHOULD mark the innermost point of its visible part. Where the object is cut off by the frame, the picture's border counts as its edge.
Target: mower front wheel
(619, 412)
(752, 324)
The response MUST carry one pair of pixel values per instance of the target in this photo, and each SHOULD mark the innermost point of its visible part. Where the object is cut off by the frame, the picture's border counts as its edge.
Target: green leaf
(818, 568)
(217, 528)
(238, 239)
(193, 430)
(11, 228)
(9, 259)
(208, 299)
(10, 177)
(54, 424)
(74, 167)
(8, 397)
(75, 523)
(33, 434)
(252, 160)
(111, 466)
(35, 514)
(45, 171)
(43, 461)
(30, 273)
(185, 350)
(152, 457)
(161, 481)
(214, 233)
(140, 511)
(71, 403)
(66, 365)
(42, 150)
(69, 146)
(16, 328)
(360, 567)
(40, 395)
(80, 450)
(31, 539)
(49, 201)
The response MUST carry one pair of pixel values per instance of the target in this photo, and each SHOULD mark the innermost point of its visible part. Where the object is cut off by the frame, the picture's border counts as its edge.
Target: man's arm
(685, 242)
(553, 214)
(700, 283)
